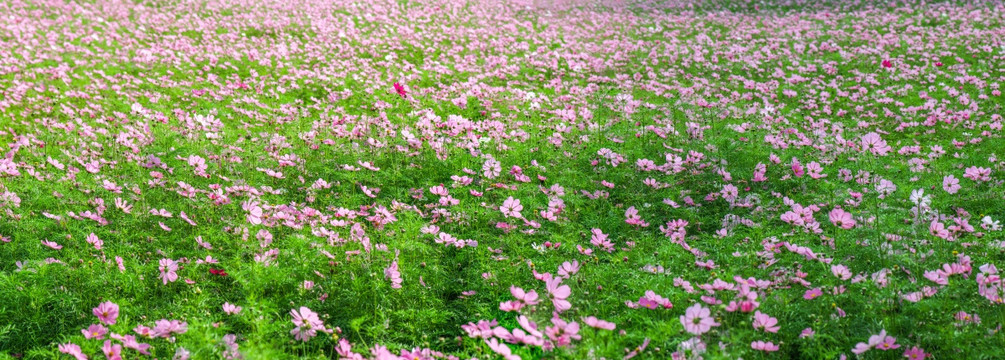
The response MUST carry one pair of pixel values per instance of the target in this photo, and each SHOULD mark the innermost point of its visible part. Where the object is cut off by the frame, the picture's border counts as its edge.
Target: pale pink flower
(875, 144)
(168, 268)
(511, 208)
(768, 323)
(599, 324)
(841, 218)
(697, 320)
(231, 309)
(950, 184)
(95, 331)
(764, 346)
(72, 350)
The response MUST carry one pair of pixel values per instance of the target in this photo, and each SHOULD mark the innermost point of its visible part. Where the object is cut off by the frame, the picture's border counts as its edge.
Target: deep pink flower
(106, 312)
(112, 352)
(915, 353)
(400, 89)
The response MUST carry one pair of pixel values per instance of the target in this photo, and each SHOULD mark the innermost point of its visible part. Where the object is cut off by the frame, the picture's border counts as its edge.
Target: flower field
(515, 179)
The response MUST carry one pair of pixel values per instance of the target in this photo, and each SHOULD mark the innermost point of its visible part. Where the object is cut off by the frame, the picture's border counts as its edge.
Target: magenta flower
(797, 168)
(697, 320)
(106, 312)
(129, 342)
(400, 89)
(812, 294)
(938, 229)
(567, 269)
(112, 352)
(915, 353)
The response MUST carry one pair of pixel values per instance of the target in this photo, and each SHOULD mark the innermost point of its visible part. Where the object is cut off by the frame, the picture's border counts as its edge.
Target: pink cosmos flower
(797, 168)
(164, 328)
(567, 269)
(52, 244)
(107, 312)
(231, 309)
(807, 332)
(651, 300)
(528, 297)
(129, 342)
(392, 273)
(950, 184)
(94, 241)
(559, 293)
(764, 346)
(400, 89)
(72, 350)
(599, 324)
(95, 331)
(841, 218)
(812, 294)
(763, 321)
(979, 174)
(880, 341)
(938, 229)
(915, 353)
(112, 352)
(697, 320)
(841, 272)
(168, 268)
(307, 324)
(501, 349)
(255, 214)
(875, 144)
(511, 208)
